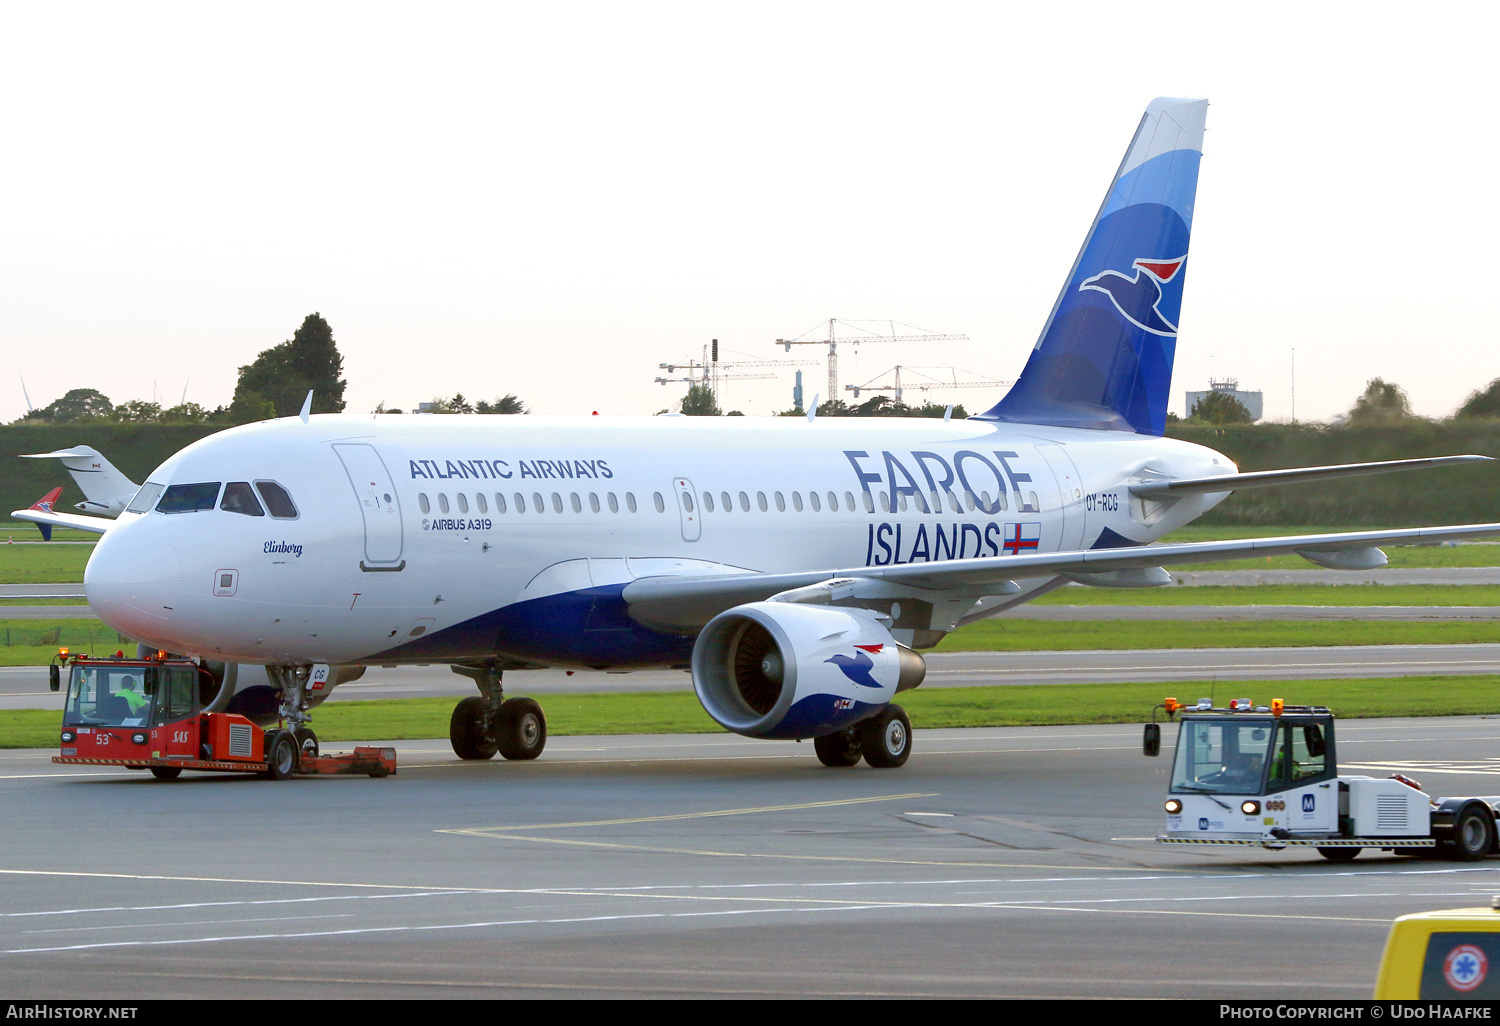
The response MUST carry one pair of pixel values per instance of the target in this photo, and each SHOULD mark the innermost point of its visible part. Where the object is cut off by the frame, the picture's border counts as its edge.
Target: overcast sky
(551, 199)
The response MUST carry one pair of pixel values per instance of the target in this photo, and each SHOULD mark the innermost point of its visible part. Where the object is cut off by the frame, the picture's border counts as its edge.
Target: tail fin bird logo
(858, 666)
(1136, 297)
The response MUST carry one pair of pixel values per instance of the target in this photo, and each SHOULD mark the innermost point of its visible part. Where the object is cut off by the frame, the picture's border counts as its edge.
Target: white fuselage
(457, 538)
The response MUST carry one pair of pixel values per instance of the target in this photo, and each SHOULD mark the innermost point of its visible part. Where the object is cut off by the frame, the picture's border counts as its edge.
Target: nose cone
(134, 581)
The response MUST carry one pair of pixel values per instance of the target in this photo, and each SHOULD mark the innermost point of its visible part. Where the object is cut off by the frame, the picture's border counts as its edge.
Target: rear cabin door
(1069, 493)
(378, 505)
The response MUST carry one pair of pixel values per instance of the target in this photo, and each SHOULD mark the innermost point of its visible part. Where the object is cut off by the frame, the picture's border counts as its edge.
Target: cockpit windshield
(107, 695)
(145, 498)
(1227, 756)
(189, 498)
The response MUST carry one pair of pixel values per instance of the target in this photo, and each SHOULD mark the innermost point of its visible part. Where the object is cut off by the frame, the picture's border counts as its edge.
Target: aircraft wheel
(281, 755)
(166, 772)
(468, 730)
(521, 729)
(307, 742)
(839, 749)
(885, 738)
(1339, 854)
(1473, 834)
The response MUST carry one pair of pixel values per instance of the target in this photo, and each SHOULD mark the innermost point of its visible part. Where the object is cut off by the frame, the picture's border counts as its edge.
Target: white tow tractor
(1268, 776)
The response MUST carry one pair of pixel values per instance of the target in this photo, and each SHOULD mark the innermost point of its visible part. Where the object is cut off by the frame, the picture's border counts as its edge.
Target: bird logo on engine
(858, 666)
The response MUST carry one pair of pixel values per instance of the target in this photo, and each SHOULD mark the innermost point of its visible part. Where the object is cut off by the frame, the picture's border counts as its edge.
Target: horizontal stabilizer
(1297, 475)
(96, 525)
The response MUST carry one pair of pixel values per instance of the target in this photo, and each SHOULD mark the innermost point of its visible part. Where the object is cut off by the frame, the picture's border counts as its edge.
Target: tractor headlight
(1250, 808)
(1174, 807)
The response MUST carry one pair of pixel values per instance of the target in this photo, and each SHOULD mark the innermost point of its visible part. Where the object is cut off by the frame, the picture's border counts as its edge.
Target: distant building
(1252, 401)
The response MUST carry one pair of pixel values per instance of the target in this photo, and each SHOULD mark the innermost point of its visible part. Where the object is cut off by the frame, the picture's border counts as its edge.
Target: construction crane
(833, 340)
(922, 385)
(711, 372)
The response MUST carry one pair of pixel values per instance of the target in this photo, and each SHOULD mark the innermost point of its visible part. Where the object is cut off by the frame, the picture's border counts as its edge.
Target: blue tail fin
(1104, 360)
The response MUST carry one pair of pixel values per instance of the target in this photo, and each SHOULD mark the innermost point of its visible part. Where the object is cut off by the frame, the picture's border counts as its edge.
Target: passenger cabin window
(145, 498)
(424, 503)
(189, 498)
(277, 500)
(239, 497)
(463, 503)
(443, 502)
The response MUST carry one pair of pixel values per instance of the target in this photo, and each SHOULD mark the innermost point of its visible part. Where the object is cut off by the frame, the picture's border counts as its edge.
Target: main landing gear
(883, 741)
(489, 723)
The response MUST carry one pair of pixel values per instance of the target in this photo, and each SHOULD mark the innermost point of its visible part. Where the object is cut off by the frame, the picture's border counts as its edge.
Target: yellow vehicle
(1452, 954)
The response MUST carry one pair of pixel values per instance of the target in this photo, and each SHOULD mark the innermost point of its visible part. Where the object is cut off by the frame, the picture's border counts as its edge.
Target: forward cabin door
(378, 504)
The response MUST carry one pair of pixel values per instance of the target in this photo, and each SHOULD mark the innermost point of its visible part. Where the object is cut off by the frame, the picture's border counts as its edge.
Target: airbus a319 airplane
(796, 565)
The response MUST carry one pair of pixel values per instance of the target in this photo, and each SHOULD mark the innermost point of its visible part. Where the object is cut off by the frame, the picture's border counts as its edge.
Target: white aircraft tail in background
(106, 491)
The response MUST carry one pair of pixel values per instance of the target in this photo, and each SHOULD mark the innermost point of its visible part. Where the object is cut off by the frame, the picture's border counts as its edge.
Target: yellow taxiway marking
(696, 815)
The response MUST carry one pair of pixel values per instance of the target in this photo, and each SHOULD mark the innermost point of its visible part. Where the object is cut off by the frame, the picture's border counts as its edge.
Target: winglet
(812, 409)
(306, 407)
(44, 505)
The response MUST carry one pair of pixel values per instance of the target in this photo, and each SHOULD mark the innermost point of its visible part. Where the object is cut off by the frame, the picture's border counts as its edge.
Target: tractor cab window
(1303, 754)
(108, 695)
(1227, 756)
(189, 498)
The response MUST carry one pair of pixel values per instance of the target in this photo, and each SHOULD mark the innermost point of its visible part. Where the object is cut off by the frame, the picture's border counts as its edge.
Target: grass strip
(1015, 635)
(43, 564)
(35, 642)
(678, 712)
(1279, 595)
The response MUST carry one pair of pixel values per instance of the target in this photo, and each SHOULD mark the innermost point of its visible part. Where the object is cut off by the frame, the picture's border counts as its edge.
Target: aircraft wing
(98, 525)
(1169, 488)
(690, 602)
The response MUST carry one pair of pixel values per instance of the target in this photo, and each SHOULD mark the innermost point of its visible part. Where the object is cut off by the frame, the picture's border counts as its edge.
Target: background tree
(1219, 408)
(458, 404)
(282, 374)
(138, 411)
(1483, 403)
(699, 402)
(507, 403)
(77, 404)
(1383, 402)
(186, 413)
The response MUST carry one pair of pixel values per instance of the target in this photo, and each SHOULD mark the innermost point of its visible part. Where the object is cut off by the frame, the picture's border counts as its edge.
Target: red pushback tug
(149, 714)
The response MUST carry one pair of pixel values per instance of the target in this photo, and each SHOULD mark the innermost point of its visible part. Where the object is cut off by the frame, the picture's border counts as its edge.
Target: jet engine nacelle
(784, 670)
